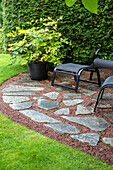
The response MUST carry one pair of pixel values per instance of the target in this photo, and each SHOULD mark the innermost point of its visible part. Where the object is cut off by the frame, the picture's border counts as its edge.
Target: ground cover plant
(21, 148)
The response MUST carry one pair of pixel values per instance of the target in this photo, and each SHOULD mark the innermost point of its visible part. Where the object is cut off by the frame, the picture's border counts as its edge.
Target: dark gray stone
(39, 117)
(21, 106)
(72, 102)
(14, 99)
(71, 95)
(87, 92)
(63, 89)
(63, 128)
(47, 104)
(94, 123)
(109, 115)
(108, 141)
(63, 111)
(33, 84)
(52, 95)
(93, 87)
(91, 138)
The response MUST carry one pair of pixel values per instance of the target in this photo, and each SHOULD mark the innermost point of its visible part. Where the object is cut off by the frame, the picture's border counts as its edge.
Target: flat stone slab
(39, 117)
(47, 104)
(63, 111)
(109, 115)
(108, 141)
(63, 89)
(63, 128)
(21, 88)
(71, 95)
(21, 106)
(20, 94)
(106, 97)
(107, 106)
(87, 92)
(94, 123)
(14, 99)
(93, 87)
(82, 110)
(91, 138)
(72, 102)
(52, 95)
(33, 84)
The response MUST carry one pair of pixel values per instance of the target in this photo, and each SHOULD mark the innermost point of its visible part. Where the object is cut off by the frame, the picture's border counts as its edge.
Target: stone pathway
(18, 98)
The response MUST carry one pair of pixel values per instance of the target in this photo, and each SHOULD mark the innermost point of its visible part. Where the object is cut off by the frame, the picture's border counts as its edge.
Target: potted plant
(38, 46)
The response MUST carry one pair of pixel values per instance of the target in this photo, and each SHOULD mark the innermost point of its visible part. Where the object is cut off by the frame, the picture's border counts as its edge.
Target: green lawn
(23, 149)
(9, 71)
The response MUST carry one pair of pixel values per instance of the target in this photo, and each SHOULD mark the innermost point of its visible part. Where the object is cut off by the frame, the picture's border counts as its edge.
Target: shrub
(87, 31)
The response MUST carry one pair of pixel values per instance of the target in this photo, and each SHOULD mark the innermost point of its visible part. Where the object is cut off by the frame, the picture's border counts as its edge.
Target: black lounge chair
(76, 70)
(108, 83)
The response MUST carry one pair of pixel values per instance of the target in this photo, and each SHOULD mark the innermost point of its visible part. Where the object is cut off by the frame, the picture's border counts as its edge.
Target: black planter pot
(38, 71)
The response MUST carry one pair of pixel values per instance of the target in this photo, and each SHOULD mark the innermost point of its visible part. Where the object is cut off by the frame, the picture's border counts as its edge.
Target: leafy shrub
(38, 44)
(86, 31)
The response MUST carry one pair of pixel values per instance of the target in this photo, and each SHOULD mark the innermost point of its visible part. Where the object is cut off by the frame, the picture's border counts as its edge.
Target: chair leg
(91, 75)
(52, 83)
(77, 83)
(98, 76)
(99, 98)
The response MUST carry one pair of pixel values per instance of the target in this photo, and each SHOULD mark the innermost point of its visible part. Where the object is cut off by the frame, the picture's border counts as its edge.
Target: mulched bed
(102, 151)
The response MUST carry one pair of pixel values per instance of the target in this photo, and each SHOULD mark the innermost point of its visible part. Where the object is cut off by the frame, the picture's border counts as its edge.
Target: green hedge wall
(87, 31)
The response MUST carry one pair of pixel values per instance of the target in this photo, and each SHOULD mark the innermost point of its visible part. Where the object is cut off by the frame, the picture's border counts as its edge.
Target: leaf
(69, 3)
(91, 5)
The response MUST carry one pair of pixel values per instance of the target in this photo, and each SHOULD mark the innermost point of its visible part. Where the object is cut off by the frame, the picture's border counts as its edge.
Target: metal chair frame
(76, 71)
(107, 84)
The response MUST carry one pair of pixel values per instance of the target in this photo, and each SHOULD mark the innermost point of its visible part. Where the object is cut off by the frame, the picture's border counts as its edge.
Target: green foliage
(86, 31)
(1, 15)
(38, 44)
(91, 5)
(1, 41)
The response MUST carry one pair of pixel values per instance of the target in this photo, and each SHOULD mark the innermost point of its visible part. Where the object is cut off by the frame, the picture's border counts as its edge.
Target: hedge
(87, 31)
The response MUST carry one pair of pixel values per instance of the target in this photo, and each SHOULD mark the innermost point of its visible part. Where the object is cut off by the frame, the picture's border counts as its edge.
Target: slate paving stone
(63, 89)
(108, 141)
(14, 99)
(20, 94)
(36, 98)
(82, 110)
(65, 83)
(93, 87)
(33, 84)
(71, 95)
(106, 97)
(12, 88)
(91, 138)
(52, 95)
(21, 106)
(87, 92)
(109, 115)
(47, 104)
(63, 128)
(39, 117)
(72, 102)
(106, 106)
(63, 111)
(94, 123)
